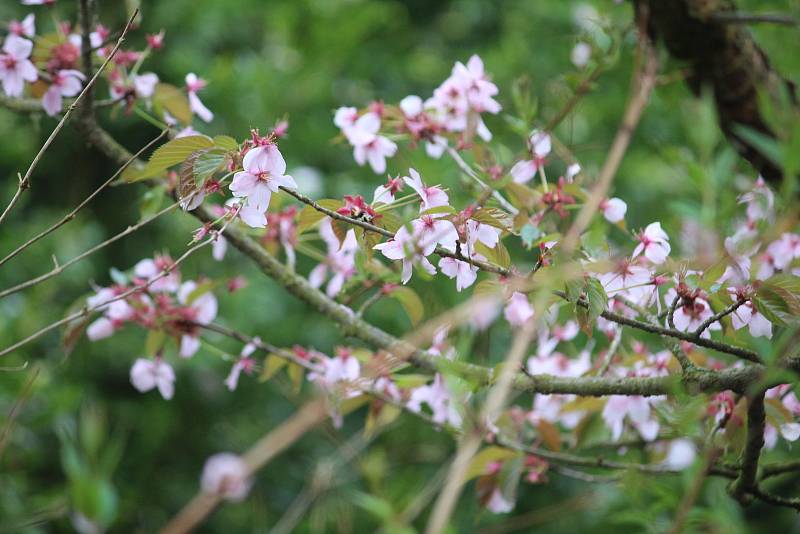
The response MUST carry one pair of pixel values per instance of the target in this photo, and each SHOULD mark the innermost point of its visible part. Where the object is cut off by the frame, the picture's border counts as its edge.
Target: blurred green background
(135, 459)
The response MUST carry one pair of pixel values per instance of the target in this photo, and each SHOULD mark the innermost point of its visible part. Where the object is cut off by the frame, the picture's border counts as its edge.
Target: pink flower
(747, 315)
(65, 83)
(15, 67)
(38, 2)
(518, 310)
(760, 201)
(340, 260)
(202, 309)
(368, 146)
(654, 243)
(263, 174)
(628, 280)
(150, 269)
(438, 399)
(681, 454)
(581, 54)
(432, 197)
(464, 273)
(24, 28)
(219, 247)
(149, 374)
(193, 85)
(345, 118)
(479, 90)
(405, 247)
(691, 313)
(439, 345)
(498, 504)
(145, 84)
(636, 409)
(225, 475)
(613, 209)
(244, 363)
(386, 193)
(100, 328)
(341, 369)
(155, 40)
(539, 144)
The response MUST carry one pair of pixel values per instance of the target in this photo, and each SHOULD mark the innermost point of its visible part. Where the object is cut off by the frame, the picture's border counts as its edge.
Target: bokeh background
(301, 59)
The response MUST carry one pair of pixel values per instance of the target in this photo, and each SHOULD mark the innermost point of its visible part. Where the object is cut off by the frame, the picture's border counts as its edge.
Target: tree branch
(746, 483)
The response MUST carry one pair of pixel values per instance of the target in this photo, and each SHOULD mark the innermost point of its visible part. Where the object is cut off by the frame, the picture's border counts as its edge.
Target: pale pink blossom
(464, 273)
(193, 85)
(498, 504)
(153, 270)
(202, 309)
(15, 67)
(438, 399)
(150, 374)
(654, 243)
(681, 454)
(760, 201)
(406, 247)
(637, 410)
(581, 54)
(368, 145)
(386, 193)
(439, 344)
(225, 475)
(613, 209)
(145, 84)
(340, 260)
(479, 90)
(100, 328)
(539, 145)
(691, 313)
(432, 197)
(219, 247)
(747, 315)
(341, 369)
(263, 174)
(64, 83)
(518, 311)
(25, 27)
(243, 363)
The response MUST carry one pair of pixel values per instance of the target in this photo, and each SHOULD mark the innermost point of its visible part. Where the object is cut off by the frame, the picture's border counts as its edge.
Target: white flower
(149, 374)
(225, 475)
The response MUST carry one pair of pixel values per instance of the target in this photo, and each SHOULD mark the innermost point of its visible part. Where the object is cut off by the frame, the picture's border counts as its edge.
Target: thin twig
(269, 446)
(466, 169)
(18, 403)
(718, 316)
(738, 17)
(439, 251)
(61, 267)
(25, 181)
(71, 215)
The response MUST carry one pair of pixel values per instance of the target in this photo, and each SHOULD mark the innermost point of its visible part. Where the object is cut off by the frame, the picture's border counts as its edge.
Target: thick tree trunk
(724, 57)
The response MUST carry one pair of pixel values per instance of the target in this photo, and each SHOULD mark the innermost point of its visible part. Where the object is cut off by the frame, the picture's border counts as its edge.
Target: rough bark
(724, 57)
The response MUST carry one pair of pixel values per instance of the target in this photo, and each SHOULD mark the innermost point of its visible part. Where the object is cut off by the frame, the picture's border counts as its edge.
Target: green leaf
(171, 153)
(494, 217)
(410, 302)
(309, 216)
(595, 296)
(174, 101)
(487, 456)
(767, 146)
(207, 163)
(154, 342)
(272, 364)
(226, 143)
(529, 233)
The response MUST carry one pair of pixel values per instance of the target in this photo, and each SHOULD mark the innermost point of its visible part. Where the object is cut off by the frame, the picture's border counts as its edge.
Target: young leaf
(410, 302)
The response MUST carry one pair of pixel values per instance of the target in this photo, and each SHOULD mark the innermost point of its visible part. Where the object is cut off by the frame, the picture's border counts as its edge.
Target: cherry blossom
(518, 310)
(145, 84)
(432, 197)
(263, 174)
(406, 246)
(386, 193)
(438, 399)
(362, 133)
(539, 143)
(681, 454)
(64, 83)
(152, 269)
(193, 86)
(581, 54)
(637, 409)
(225, 475)
(198, 308)
(340, 260)
(498, 504)
(15, 67)
(691, 312)
(654, 243)
(629, 280)
(464, 273)
(25, 27)
(243, 363)
(613, 209)
(439, 344)
(747, 315)
(150, 374)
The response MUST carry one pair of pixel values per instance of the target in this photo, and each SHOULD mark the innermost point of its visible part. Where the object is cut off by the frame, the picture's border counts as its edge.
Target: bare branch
(746, 483)
(272, 444)
(25, 181)
(71, 215)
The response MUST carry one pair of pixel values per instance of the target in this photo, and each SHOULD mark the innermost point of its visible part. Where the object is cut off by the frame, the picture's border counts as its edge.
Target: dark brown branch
(725, 58)
(745, 484)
